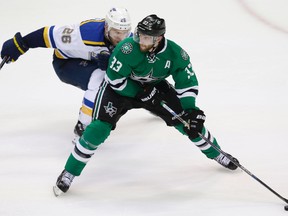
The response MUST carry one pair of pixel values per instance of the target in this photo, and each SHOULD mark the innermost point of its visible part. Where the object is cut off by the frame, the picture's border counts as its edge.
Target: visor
(144, 39)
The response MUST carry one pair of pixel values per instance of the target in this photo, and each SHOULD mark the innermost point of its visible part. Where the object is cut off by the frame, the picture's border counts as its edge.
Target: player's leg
(207, 149)
(76, 72)
(170, 97)
(85, 113)
(95, 134)
(109, 107)
(86, 76)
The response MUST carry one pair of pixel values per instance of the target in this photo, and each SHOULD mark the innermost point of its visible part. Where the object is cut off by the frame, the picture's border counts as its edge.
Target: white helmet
(118, 18)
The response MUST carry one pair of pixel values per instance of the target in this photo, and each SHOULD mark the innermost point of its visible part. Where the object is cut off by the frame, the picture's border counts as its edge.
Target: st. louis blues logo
(110, 109)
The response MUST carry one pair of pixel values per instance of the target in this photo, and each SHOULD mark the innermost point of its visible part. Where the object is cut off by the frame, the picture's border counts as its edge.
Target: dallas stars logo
(143, 79)
(110, 109)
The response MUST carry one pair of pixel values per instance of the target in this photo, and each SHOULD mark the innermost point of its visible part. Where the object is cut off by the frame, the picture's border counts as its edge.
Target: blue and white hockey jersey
(84, 40)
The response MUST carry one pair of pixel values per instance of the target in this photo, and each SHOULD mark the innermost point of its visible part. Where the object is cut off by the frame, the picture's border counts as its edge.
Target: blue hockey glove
(195, 119)
(150, 95)
(14, 47)
(103, 59)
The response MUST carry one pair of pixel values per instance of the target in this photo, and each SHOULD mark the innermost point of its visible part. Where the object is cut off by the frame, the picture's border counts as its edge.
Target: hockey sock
(93, 136)
(74, 166)
(204, 147)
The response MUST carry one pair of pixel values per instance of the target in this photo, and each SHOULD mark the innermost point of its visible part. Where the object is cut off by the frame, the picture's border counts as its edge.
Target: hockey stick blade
(243, 168)
(224, 153)
(4, 60)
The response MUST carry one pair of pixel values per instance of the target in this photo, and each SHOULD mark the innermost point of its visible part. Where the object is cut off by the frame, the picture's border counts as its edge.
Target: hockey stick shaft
(224, 153)
(4, 60)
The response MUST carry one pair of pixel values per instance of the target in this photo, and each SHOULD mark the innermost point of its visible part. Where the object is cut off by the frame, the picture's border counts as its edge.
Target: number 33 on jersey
(129, 68)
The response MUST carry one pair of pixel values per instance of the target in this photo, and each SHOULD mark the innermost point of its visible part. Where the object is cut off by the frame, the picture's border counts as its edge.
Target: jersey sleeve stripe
(48, 37)
(117, 84)
(51, 37)
(93, 43)
(187, 92)
(192, 88)
(60, 54)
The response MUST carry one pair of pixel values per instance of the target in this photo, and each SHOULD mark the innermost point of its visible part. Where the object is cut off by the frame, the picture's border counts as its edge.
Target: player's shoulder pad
(177, 51)
(92, 32)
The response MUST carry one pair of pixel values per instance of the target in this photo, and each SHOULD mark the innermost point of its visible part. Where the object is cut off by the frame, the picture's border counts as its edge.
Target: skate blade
(57, 191)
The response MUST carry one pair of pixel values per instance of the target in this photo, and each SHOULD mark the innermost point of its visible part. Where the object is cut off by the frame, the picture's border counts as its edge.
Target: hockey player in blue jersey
(81, 53)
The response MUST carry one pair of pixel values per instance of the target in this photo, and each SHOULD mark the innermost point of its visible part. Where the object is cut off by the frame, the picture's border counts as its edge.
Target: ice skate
(78, 131)
(226, 162)
(63, 183)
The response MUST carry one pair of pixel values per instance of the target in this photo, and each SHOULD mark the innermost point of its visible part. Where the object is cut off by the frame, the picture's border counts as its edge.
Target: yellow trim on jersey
(17, 45)
(58, 54)
(46, 37)
(92, 20)
(86, 110)
(93, 43)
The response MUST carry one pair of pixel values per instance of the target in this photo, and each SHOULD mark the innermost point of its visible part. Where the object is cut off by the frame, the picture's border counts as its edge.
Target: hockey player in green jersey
(135, 78)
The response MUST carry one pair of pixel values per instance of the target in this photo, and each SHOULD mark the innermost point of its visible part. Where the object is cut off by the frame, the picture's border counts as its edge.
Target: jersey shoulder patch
(177, 51)
(184, 54)
(127, 48)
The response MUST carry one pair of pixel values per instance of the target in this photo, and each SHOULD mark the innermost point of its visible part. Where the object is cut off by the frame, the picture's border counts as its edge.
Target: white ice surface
(146, 168)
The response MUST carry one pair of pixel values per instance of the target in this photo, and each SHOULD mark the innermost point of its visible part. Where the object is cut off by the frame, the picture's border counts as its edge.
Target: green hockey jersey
(130, 69)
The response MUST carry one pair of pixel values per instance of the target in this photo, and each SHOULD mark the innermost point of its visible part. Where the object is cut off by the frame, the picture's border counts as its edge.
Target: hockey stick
(225, 154)
(4, 60)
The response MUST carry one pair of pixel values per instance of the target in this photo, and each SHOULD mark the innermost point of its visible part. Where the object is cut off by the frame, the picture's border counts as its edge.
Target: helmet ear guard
(118, 18)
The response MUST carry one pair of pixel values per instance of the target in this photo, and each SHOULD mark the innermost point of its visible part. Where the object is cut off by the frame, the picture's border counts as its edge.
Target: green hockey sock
(74, 166)
(204, 147)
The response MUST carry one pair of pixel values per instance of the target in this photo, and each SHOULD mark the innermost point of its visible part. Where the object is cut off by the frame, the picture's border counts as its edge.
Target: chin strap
(151, 54)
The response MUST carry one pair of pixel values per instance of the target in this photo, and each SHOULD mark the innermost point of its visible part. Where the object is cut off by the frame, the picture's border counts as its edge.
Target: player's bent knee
(96, 133)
